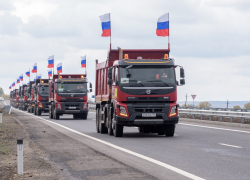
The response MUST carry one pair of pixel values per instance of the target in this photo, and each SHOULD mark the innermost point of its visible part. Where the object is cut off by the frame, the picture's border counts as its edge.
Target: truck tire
(140, 129)
(97, 120)
(28, 110)
(110, 129)
(169, 130)
(56, 115)
(102, 128)
(50, 114)
(38, 112)
(146, 129)
(118, 131)
(34, 110)
(84, 116)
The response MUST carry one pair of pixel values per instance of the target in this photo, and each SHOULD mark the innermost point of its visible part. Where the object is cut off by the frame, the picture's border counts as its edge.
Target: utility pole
(186, 101)
(227, 104)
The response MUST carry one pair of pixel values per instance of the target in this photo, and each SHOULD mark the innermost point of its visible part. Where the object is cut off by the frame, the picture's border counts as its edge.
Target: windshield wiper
(158, 80)
(138, 82)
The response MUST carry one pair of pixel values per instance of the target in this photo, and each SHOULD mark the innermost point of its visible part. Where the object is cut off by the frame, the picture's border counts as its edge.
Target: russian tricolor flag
(18, 81)
(28, 73)
(13, 84)
(50, 72)
(21, 77)
(163, 25)
(10, 87)
(51, 61)
(83, 61)
(34, 70)
(34, 79)
(59, 68)
(39, 76)
(106, 28)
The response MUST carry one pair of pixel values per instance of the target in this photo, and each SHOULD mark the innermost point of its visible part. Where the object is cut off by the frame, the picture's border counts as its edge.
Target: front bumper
(72, 108)
(147, 121)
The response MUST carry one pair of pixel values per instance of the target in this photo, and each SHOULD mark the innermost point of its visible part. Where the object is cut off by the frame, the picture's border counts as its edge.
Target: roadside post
(193, 96)
(1, 117)
(20, 156)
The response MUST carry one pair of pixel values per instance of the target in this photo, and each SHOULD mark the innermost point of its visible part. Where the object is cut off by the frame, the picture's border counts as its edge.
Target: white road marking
(167, 166)
(209, 127)
(229, 145)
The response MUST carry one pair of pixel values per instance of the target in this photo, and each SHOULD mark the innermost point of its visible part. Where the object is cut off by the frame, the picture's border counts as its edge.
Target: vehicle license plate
(148, 114)
(72, 107)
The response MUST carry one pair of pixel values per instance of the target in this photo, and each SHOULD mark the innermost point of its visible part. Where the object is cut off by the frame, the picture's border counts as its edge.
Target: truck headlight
(123, 111)
(173, 111)
(40, 104)
(85, 106)
(58, 106)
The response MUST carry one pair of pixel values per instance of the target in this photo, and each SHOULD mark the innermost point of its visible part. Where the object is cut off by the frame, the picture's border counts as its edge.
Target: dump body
(68, 94)
(137, 89)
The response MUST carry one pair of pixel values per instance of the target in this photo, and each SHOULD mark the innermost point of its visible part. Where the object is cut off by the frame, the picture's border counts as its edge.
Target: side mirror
(90, 90)
(110, 82)
(182, 73)
(110, 72)
(52, 90)
(177, 83)
(90, 85)
(182, 81)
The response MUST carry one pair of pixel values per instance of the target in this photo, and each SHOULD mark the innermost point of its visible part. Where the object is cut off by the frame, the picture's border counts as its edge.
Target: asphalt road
(207, 153)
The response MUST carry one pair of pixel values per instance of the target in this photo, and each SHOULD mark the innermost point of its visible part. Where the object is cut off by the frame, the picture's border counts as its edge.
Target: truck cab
(141, 91)
(68, 94)
(30, 96)
(41, 96)
(23, 98)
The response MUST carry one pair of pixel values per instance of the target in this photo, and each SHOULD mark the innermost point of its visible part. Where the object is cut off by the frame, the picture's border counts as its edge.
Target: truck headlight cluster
(123, 111)
(85, 106)
(58, 106)
(173, 111)
(40, 104)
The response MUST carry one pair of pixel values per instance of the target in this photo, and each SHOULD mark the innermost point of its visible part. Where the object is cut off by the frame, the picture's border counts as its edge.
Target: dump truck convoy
(138, 89)
(68, 94)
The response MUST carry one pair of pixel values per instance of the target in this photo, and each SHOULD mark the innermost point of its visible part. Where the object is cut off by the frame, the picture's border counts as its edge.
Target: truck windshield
(146, 74)
(68, 87)
(43, 90)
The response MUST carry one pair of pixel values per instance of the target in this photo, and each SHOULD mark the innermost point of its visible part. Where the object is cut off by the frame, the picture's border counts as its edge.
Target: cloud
(6, 5)
(9, 24)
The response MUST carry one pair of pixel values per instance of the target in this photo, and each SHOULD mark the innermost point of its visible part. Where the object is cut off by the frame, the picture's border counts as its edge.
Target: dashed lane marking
(229, 145)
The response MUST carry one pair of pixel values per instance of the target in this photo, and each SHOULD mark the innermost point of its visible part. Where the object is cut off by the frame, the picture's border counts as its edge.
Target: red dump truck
(68, 94)
(16, 98)
(41, 96)
(23, 97)
(30, 92)
(137, 88)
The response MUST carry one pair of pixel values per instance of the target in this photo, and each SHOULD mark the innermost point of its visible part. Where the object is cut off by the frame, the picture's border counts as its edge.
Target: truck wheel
(161, 130)
(56, 115)
(97, 120)
(50, 114)
(140, 129)
(110, 129)
(28, 110)
(102, 127)
(38, 112)
(34, 110)
(118, 131)
(84, 116)
(146, 129)
(169, 130)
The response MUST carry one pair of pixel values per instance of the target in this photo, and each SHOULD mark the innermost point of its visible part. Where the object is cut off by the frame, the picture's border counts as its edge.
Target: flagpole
(110, 31)
(168, 34)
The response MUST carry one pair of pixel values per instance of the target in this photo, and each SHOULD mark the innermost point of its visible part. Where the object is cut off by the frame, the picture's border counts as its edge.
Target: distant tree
(247, 106)
(205, 104)
(188, 105)
(1, 91)
(237, 107)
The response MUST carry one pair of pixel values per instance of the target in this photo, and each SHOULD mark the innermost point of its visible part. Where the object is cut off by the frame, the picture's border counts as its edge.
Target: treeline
(206, 104)
(2, 94)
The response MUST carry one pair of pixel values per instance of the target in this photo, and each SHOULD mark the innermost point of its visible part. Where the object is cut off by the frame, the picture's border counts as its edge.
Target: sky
(209, 38)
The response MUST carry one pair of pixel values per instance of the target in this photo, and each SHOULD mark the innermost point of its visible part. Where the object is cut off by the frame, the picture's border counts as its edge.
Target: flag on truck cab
(106, 28)
(18, 81)
(34, 70)
(163, 25)
(50, 72)
(51, 61)
(21, 77)
(10, 87)
(83, 61)
(59, 68)
(13, 84)
(39, 76)
(34, 79)
(28, 73)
